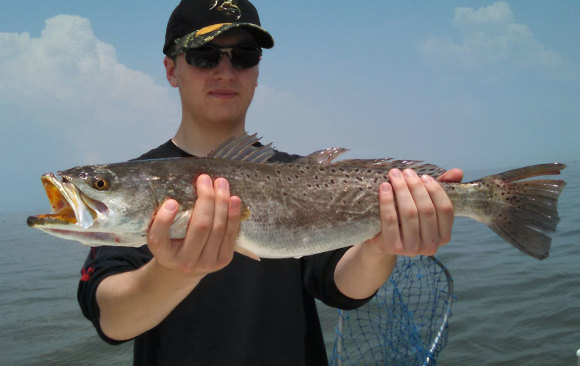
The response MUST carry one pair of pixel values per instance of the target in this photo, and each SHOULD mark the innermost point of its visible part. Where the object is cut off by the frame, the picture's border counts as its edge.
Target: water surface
(510, 310)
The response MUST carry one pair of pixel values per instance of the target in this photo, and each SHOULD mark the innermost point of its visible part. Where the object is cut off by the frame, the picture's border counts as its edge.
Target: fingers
(389, 217)
(226, 252)
(424, 214)
(407, 209)
(452, 175)
(211, 233)
(205, 237)
(219, 245)
(443, 208)
(215, 241)
(160, 225)
(201, 222)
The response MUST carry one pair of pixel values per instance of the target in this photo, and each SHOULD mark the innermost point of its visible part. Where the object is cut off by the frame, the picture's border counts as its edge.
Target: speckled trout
(309, 206)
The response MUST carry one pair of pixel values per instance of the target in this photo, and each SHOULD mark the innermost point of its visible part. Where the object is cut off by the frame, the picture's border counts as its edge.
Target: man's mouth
(223, 93)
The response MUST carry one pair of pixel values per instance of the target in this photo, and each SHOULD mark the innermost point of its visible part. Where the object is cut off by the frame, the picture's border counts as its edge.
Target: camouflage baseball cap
(193, 23)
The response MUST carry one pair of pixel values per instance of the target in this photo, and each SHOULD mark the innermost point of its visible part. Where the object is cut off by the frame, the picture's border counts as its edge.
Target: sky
(468, 84)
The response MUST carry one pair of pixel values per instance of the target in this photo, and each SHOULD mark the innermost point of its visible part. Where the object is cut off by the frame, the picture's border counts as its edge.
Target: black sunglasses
(209, 56)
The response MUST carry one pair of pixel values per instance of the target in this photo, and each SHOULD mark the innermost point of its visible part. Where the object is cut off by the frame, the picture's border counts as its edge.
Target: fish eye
(101, 184)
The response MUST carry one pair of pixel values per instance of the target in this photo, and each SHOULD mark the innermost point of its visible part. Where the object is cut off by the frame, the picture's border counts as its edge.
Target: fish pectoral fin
(245, 212)
(246, 252)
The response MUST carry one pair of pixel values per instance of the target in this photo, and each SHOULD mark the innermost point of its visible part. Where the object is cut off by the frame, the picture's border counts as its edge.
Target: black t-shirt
(249, 313)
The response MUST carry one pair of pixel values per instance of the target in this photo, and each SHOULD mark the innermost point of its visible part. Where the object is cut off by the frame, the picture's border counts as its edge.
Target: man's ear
(170, 71)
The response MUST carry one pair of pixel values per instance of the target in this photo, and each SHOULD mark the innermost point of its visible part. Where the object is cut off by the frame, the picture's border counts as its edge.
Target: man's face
(219, 95)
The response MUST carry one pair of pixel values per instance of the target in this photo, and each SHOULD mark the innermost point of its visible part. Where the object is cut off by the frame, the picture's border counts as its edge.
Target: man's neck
(200, 140)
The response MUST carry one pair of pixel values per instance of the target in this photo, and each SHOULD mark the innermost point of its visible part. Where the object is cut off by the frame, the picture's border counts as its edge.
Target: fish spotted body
(294, 209)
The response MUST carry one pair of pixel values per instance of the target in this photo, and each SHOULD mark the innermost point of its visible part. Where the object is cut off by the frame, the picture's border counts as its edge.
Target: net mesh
(406, 323)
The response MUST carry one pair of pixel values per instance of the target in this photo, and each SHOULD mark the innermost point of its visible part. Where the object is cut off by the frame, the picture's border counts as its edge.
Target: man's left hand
(416, 214)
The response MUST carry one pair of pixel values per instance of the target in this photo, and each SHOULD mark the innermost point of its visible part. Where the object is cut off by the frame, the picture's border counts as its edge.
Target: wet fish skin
(290, 210)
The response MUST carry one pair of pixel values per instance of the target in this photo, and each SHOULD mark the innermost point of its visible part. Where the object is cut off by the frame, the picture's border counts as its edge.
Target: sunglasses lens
(246, 56)
(204, 57)
(207, 57)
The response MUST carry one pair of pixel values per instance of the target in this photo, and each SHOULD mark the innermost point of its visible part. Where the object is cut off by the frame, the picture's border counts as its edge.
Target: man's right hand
(133, 302)
(209, 242)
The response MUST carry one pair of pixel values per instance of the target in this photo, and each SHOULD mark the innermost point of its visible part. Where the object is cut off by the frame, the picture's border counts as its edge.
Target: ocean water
(510, 308)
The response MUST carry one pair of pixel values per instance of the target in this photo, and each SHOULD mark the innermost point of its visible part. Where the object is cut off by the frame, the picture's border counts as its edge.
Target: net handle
(447, 314)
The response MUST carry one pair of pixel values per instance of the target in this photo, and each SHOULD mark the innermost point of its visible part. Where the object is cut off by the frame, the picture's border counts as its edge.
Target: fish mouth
(70, 206)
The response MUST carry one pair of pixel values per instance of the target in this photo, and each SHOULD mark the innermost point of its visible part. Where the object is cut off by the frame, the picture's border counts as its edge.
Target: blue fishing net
(406, 323)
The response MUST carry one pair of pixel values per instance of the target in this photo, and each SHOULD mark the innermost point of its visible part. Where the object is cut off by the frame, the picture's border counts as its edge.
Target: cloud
(69, 87)
(490, 37)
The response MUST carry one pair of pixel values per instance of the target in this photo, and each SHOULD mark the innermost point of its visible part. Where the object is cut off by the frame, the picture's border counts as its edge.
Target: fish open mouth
(69, 205)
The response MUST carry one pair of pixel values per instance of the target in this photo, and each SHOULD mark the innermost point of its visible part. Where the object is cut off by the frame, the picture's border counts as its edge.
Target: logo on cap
(227, 6)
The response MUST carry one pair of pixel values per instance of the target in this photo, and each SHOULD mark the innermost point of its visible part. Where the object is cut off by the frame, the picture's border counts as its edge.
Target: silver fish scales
(289, 210)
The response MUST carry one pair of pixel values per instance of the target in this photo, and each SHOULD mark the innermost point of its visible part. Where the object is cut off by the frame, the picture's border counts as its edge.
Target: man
(193, 301)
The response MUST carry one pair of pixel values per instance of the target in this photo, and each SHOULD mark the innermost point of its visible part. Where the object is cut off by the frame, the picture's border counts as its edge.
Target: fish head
(91, 204)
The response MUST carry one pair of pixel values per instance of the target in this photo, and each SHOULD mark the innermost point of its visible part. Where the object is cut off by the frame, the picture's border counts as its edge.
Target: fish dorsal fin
(243, 148)
(390, 163)
(323, 157)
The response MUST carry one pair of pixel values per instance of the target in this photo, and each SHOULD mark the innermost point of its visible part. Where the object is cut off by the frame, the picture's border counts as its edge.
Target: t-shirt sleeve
(319, 280)
(100, 263)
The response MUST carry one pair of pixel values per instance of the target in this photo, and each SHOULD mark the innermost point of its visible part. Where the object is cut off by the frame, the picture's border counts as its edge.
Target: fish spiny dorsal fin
(243, 148)
(323, 157)
(389, 163)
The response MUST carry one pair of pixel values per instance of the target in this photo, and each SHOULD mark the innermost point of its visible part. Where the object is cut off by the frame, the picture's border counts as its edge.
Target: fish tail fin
(526, 210)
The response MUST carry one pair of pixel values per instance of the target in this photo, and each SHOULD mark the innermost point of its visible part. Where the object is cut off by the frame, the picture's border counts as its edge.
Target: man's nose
(224, 68)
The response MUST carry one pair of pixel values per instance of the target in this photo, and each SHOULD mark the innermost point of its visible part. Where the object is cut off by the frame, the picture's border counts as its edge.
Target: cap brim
(207, 34)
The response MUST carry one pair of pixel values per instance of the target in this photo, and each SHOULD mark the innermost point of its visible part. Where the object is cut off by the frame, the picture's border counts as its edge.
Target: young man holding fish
(193, 301)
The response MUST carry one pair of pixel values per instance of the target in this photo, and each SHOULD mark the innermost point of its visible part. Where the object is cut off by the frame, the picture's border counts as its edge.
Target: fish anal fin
(246, 252)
